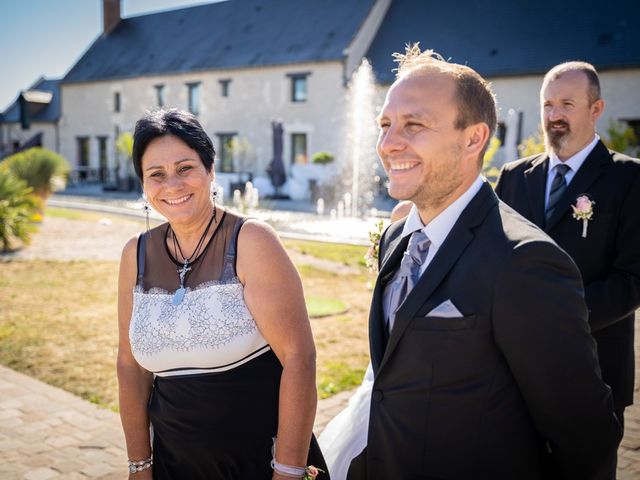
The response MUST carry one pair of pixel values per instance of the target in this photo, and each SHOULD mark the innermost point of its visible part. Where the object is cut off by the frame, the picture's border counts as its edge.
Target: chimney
(110, 15)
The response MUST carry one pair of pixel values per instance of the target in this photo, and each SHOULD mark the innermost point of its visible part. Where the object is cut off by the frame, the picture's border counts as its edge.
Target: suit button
(377, 395)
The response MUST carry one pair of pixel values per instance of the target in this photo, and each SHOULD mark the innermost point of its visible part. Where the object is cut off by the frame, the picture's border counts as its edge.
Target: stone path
(47, 433)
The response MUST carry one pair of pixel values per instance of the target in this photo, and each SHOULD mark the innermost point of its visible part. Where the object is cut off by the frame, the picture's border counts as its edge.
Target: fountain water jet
(360, 135)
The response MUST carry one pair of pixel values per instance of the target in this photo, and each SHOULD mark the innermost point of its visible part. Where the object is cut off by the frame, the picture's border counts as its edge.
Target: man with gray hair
(587, 198)
(483, 366)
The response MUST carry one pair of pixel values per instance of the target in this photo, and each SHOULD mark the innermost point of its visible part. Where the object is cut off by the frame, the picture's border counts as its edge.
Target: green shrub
(17, 209)
(533, 145)
(42, 170)
(322, 158)
(620, 137)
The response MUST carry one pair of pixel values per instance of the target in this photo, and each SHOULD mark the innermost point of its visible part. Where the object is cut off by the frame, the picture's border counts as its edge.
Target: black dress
(214, 405)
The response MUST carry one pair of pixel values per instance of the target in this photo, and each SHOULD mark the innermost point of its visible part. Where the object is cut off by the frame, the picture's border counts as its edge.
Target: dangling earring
(214, 194)
(146, 209)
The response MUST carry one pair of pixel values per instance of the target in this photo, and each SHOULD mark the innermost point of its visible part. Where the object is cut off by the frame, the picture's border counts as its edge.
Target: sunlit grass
(323, 307)
(351, 255)
(59, 324)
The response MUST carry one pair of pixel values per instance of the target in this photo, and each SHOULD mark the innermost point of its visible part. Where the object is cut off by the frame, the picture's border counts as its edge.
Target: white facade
(256, 96)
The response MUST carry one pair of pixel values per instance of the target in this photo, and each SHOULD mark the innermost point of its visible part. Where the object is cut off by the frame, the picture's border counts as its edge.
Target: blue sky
(46, 37)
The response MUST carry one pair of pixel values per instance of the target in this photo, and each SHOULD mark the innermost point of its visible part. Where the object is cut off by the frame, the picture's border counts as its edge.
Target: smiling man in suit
(606, 246)
(483, 363)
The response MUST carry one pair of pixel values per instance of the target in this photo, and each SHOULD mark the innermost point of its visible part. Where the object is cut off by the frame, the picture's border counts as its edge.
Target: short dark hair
(476, 101)
(577, 66)
(178, 123)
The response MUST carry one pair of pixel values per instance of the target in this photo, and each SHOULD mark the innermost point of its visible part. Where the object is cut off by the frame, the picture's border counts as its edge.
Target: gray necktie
(558, 186)
(408, 273)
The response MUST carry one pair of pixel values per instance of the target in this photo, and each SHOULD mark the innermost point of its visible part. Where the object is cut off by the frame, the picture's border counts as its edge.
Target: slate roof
(50, 113)
(506, 37)
(228, 34)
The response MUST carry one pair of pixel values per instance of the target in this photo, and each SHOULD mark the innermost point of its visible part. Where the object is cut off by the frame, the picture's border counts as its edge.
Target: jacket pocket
(444, 323)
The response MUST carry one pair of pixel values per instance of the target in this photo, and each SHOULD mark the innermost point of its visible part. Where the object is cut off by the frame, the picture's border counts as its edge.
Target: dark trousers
(358, 468)
(619, 411)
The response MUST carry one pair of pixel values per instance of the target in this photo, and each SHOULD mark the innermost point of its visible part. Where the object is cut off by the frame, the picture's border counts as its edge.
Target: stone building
(241, 64)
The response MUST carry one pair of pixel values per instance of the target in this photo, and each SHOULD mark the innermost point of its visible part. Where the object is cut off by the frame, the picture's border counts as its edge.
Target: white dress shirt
(437, 230)
(574, 163)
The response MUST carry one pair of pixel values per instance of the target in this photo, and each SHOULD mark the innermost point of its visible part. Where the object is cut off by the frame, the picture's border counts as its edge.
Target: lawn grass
(318, 307)
(59, 323)
(351, 255)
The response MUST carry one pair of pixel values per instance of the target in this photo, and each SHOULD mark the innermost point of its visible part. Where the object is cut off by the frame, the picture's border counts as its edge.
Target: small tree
(42, 170)
(242, 153)
(620, 137)
(533, 144)
(488, 170)
(17, 209)
(124, 146)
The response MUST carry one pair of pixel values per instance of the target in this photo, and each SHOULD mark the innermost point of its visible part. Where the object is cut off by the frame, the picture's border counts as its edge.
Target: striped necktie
(558, 186)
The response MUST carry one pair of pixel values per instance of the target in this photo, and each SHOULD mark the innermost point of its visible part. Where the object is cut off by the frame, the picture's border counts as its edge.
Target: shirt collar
(438, 228)
(576, 161)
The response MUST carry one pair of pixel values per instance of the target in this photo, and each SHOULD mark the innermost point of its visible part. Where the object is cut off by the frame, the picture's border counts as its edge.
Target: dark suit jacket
(484, 396)
(608, 258)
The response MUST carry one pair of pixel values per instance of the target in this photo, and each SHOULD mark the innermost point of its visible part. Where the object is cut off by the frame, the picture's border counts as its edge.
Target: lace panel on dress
(210, 330)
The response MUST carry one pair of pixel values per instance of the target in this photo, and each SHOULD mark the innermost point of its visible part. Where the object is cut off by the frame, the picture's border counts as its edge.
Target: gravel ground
(63, 239)
(103, 239)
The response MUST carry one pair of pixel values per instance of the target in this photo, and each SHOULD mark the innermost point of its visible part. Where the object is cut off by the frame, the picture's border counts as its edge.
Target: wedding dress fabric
(345, 436)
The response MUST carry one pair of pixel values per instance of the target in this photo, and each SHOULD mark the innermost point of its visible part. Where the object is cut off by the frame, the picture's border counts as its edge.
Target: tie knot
(415, 253)
(562, 169)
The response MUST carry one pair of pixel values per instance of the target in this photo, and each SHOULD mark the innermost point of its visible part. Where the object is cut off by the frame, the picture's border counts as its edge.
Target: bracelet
(288, 470)
(136, 466)
(303, 473)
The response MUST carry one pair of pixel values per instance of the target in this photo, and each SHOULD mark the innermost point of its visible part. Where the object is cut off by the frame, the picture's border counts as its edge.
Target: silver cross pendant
(179, 295)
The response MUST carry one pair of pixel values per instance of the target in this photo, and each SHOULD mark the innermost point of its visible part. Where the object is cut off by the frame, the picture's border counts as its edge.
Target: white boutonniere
(583, 210)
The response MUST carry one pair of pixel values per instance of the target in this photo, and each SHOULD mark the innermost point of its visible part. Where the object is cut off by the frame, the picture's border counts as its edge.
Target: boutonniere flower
(371, 257)
(583, 210)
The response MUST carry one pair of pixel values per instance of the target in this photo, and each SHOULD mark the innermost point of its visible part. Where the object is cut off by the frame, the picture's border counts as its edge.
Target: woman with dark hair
(215, 351)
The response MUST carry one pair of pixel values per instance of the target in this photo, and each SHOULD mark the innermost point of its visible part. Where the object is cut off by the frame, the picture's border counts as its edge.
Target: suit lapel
(535, 179)
(588, 173)
(377, 326)
(445, 259)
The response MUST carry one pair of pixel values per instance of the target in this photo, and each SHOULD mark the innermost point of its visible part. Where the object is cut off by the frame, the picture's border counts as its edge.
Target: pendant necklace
(186, 266)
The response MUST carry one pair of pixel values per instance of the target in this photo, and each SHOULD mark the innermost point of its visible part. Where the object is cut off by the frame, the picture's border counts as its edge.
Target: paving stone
(67, 466)
(34, 448)
(76, 476)
(42, 460)
(7, 413)
(61, 441)
(97, 470)
(41, 474)
(38, 426)
(9, 444)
